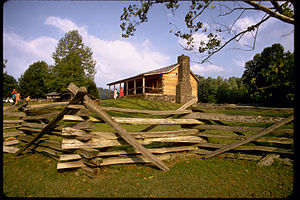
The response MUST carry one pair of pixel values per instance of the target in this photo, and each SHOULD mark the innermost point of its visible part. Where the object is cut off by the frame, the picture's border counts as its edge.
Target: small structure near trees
(53, 96)
(172, 83)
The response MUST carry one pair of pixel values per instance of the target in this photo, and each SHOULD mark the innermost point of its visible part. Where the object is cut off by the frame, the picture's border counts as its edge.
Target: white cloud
(239, 62)
(64, 25)
(21, 53)
(206, 69)
(116, 59)
(245, 22)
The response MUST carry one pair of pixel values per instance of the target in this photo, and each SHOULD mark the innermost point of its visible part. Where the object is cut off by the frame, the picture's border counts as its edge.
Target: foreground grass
(34, 175)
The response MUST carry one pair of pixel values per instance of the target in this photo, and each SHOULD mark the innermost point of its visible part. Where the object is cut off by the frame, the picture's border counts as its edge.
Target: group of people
(17, 97)
(116, 93)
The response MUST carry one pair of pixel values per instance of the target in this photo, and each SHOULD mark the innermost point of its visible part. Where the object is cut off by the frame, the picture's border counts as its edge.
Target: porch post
(114, 90)
(126, 87)
(134, 86)
(143, 85)
(108, 91)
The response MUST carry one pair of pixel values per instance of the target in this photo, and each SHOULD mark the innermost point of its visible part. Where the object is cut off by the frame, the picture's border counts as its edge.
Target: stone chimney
(183, 87)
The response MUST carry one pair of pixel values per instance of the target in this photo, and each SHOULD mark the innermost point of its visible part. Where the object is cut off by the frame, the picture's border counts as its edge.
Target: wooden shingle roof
(162, 70)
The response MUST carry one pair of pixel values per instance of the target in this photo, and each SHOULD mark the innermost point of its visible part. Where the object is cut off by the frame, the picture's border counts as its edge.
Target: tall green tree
(33, 82)
(73, 62)
(270, 76)
(9, 82)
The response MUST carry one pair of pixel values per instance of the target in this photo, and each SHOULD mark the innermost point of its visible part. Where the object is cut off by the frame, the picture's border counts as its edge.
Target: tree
(73, 62)
(9, 82)
(33, 82)
(219, 90)
(270, 76)
(207, 89)
(136, 14)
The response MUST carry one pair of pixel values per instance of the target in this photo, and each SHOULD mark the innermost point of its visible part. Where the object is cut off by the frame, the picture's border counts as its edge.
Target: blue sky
(32, 29)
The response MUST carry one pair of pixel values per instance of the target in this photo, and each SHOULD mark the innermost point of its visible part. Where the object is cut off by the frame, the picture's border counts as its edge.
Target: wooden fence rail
(205, 134)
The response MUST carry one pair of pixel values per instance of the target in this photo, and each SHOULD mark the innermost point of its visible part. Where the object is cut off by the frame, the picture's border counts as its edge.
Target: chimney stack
(183, 87)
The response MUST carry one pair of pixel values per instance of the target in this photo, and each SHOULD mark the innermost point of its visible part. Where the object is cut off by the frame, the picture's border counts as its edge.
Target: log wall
(170, 81)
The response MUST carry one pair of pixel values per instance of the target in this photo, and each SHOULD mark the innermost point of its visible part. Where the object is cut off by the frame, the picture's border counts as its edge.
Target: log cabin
(174, 83)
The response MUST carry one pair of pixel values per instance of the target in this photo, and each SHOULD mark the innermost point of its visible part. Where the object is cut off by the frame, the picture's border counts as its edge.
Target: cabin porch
(138, 86)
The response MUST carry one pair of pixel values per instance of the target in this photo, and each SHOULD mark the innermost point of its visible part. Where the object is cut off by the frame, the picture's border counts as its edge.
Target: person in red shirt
(14, 92)
(121, 92)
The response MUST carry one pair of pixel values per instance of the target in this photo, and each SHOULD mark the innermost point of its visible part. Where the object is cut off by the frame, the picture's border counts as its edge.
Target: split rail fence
(63, 132)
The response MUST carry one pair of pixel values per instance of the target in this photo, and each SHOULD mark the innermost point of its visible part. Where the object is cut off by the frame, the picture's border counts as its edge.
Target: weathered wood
(180, 139)
(68, 131)
(76, 106)
(149, 112)
(246, 148)
(91, 105)
(13, 134)
(83, 112)
(16, 107)
(210, 106)
(14, 114)
(268, 160)
(126, 110)
(279, 140)
(10, 149)
(16, 121)
(43, 106)
(183, 107)
(153, 150)
(253, 137)
(84, 125)
(39, 117)
(5, 126)
(230, 155)
(76, 118)
(188, 104)
(48, 151)
(161, 134)
(125, 120)
(87, 153)
(91, 172)
(70, 164)
(11, 142)
(43, 142)
(78, 96)
(33, 125)
(35, 130)
(237, 128)
(95, 162)
(9, 139)
(235, 118)
(93, 143)
(69, 157)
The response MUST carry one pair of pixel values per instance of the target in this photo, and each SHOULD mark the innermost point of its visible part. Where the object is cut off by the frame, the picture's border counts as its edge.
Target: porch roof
(162, 70)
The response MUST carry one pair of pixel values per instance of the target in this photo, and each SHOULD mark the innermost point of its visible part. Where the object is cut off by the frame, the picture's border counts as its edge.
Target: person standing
(115, 94)
(14, 92)
(27, 99)
(18, 98)
(121, 92)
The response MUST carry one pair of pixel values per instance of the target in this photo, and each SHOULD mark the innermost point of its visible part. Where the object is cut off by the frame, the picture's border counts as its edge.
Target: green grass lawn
(35, 175)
